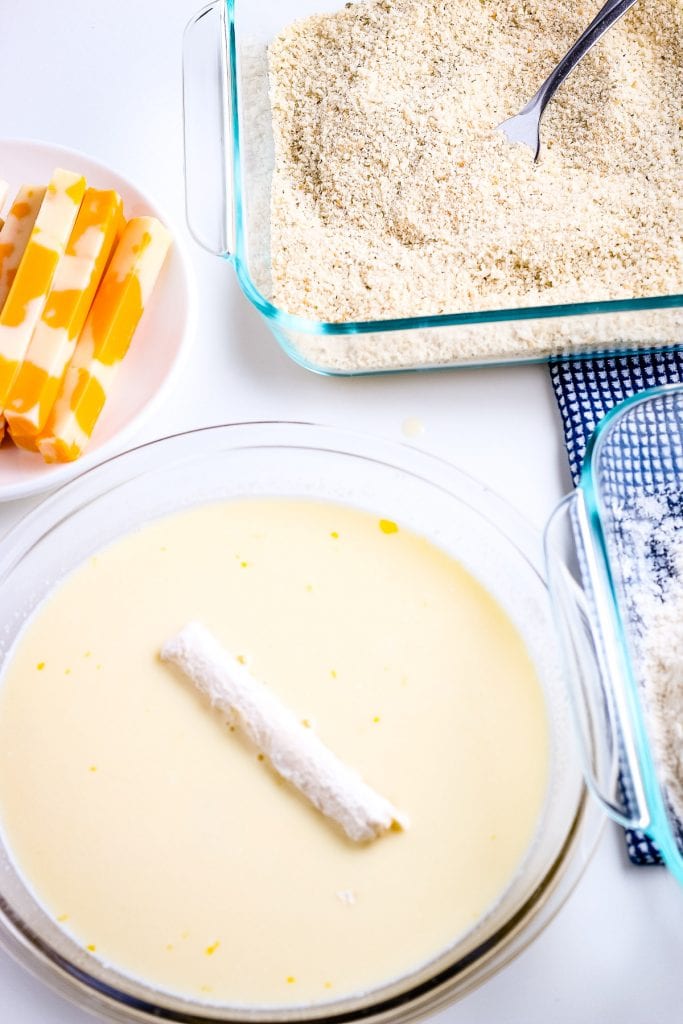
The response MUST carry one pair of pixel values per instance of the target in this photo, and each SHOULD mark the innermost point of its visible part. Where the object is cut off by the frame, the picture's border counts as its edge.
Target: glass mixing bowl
(426, 495)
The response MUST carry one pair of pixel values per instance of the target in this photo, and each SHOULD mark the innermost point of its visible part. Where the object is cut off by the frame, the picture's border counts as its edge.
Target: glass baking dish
(228, 167)
(612, 553)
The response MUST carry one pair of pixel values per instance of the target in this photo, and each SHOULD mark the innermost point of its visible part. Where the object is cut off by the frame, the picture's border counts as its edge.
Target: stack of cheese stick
(75, 277)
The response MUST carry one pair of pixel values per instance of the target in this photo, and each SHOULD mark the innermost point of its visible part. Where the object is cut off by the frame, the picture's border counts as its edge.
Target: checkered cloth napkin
(586, 390)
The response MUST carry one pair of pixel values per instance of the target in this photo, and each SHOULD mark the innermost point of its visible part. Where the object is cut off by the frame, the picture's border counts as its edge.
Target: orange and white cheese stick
(27, 296)
(15, 233)
(4, 189)
(116, 310)
(53, 341)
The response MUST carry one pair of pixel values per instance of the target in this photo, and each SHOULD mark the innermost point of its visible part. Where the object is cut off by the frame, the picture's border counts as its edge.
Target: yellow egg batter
(157, 837)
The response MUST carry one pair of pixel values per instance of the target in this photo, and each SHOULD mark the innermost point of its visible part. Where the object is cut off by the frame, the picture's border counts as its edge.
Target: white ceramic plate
(162, 335)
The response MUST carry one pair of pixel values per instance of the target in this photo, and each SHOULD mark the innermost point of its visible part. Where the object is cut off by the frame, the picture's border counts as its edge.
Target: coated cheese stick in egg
(28, 292)
(106, 336)
(53, 341)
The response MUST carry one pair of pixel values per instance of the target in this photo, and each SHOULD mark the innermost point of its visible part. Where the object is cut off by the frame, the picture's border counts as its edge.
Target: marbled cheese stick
(4, 189)
(15, 234)
(68, 303)
(115, 313)
(33, 278)
(295, 752)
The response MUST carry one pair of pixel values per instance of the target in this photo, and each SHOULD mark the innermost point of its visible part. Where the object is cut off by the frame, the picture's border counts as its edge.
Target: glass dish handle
(207, 109)
(593, 675)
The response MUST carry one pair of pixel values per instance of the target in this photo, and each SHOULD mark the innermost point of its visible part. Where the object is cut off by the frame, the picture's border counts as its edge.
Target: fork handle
(612, 11)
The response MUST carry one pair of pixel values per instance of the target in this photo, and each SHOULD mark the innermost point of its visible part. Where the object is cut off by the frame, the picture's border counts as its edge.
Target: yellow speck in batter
(387, 526)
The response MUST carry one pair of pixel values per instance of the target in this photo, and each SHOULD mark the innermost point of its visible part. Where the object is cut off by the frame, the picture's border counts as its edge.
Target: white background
(105, 78)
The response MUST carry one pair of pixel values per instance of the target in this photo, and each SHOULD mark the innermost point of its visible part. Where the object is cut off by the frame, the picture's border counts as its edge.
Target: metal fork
(525, 126)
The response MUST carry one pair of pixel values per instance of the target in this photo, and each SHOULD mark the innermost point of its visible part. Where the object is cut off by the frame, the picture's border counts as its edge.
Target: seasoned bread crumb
(393, 195)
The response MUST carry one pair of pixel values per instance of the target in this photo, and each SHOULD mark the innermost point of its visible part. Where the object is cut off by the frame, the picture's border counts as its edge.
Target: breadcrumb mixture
(394, 196)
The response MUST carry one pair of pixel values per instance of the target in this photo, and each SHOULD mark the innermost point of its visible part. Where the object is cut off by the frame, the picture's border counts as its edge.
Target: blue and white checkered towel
(586, 390)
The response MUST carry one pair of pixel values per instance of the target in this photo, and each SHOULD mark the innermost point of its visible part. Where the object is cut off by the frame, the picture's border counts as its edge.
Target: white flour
(652, 570)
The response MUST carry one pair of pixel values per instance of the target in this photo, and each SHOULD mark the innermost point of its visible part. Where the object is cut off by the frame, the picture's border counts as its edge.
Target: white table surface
(105, 78)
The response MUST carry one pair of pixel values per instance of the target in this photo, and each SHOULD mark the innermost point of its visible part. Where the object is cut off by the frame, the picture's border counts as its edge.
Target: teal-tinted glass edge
(659, 828)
